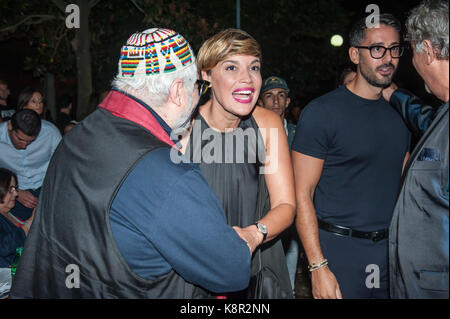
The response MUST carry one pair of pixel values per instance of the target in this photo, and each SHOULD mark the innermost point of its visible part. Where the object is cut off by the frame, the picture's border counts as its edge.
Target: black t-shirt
(363, 144)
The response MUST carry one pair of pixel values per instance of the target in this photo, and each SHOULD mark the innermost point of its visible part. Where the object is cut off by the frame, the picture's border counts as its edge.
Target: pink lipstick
(243, 95)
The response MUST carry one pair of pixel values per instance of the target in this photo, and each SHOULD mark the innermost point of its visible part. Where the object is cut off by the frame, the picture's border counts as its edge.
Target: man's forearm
(308, 229)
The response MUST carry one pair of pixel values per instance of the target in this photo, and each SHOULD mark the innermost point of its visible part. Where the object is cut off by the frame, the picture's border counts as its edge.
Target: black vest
(71, 229)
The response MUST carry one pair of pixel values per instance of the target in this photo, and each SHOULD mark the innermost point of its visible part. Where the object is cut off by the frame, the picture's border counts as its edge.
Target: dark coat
(71, 233)
(419, 233)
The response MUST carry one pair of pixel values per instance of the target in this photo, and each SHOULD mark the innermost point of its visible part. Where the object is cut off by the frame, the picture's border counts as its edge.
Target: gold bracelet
(313, 267)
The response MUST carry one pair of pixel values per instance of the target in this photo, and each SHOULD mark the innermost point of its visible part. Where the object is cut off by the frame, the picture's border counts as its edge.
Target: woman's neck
(217, 117)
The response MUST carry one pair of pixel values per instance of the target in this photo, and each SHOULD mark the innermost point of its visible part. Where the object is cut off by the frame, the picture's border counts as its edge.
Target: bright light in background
(336, 40)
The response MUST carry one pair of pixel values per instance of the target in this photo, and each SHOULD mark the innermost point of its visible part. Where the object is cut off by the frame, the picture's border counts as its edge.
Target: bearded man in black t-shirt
(348, 154)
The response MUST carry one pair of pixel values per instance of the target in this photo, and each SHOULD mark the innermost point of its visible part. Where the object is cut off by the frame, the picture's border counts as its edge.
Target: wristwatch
(262, 229)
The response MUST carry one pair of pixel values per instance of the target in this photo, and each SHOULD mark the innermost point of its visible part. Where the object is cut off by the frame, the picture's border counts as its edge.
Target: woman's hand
(251, 235)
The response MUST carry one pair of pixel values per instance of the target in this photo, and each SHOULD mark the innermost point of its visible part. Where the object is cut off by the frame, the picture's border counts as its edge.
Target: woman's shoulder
(266, 118)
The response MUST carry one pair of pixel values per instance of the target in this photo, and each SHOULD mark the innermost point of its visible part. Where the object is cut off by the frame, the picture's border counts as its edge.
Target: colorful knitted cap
(154, 52)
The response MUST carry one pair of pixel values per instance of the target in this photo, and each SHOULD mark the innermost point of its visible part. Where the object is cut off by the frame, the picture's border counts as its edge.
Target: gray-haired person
(419, 233)
(100, 219)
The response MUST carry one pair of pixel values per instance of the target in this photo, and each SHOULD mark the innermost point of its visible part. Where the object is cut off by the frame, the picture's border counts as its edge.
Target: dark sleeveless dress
(230, 162)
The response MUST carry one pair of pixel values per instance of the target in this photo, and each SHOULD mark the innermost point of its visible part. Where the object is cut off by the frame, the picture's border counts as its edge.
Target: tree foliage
(58, 50)
(294, 35)
(295, 39)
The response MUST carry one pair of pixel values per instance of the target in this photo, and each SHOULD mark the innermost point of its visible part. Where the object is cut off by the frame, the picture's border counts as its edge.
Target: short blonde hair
(224, 44)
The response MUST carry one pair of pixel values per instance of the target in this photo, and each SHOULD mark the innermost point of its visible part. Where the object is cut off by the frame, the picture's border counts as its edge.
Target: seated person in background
(5, 111)
(64, 115)
(31, 98)
(26, 146)
(12, 231)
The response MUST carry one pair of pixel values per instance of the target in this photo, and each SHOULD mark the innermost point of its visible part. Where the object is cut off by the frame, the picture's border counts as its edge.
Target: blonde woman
(234, 141)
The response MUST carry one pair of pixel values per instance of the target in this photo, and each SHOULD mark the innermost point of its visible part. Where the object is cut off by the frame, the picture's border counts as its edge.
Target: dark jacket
(71, 233)
(11, 237)
(419, 233)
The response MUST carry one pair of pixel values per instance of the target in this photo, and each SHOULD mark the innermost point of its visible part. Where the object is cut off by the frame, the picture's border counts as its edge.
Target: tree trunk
(50, 96)
(82, 48)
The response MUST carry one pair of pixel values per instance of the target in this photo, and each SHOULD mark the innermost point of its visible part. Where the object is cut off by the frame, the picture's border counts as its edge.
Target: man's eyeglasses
(202, 86)
(11, 189)
(379, 51)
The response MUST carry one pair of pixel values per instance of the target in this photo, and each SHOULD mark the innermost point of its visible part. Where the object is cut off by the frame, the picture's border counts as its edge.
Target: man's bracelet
(313, 267)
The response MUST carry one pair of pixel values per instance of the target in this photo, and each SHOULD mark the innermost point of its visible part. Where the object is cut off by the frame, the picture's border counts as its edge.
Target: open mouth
(386, 71)
(244, 95)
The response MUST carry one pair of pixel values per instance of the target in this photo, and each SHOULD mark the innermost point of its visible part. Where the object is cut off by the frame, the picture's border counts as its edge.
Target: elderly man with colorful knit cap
(117, 218)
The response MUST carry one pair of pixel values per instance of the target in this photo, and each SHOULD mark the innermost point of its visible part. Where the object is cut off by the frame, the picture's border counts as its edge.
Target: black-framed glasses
(202, 86)
(379, 51)
(11, 189)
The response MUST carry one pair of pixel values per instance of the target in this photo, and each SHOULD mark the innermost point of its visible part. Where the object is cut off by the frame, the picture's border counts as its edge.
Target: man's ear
(176, 92)
(288, 101)
(429, 52)
(9, 126)
(353, 53)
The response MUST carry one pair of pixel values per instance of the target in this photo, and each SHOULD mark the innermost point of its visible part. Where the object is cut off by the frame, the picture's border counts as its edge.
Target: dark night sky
(12, 52)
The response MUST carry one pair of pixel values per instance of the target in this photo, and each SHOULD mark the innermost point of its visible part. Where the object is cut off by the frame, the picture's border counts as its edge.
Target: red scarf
(126, 107)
